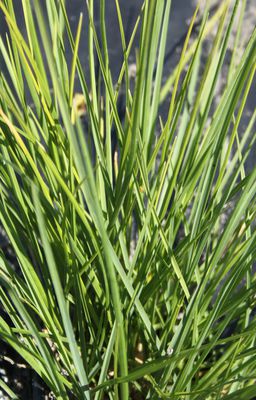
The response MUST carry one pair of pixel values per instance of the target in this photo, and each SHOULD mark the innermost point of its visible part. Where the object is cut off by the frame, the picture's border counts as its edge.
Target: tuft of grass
(129, 209)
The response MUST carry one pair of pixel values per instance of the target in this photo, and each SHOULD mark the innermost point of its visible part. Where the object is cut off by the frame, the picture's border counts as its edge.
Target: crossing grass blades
(131, 269)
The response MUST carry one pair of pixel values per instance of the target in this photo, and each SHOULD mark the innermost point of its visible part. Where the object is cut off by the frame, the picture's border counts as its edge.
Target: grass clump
(131, 230)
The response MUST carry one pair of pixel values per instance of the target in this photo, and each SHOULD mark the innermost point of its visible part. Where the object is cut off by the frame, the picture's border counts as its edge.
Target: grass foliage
(132, 235)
